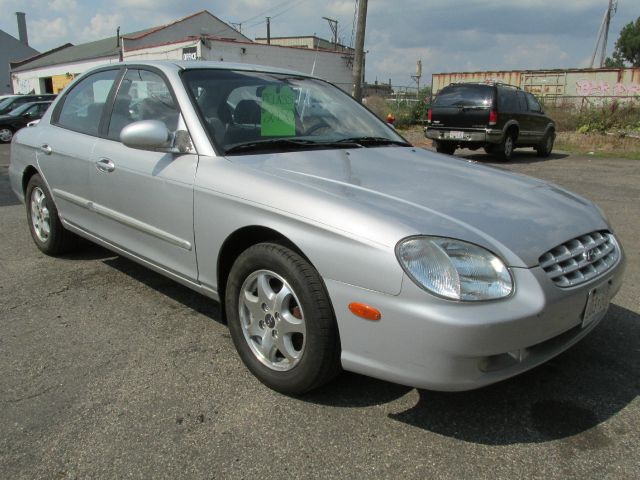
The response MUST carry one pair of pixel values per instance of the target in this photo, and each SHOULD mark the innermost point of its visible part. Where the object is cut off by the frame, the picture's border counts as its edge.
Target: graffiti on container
(589, 88)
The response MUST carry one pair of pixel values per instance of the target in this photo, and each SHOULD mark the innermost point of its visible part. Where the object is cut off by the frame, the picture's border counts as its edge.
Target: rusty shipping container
(571, 84)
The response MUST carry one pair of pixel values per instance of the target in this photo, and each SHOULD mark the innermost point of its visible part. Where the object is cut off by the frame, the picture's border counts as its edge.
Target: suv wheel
(546, 145)
(445, 147)
(504, 151)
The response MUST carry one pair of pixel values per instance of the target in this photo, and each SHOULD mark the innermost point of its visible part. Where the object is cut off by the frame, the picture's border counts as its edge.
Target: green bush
(608, 117)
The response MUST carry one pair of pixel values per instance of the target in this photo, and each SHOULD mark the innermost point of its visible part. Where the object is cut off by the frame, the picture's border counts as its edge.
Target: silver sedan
(329, 240)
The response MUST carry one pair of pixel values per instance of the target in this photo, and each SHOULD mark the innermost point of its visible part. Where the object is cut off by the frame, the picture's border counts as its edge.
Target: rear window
(465, 96)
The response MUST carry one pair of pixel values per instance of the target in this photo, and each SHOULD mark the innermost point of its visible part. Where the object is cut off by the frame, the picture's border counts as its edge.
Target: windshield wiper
(285, 144)
(370, 141)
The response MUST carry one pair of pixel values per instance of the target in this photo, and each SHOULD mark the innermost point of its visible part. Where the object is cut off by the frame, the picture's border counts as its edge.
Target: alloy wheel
(272, 320)
(40, 217)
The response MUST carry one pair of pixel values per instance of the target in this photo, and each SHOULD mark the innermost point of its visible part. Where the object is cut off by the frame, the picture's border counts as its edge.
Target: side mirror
(147, 135)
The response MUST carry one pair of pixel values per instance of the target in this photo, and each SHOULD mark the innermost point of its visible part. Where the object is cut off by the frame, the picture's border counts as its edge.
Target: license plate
(597, 303)
(456, 135)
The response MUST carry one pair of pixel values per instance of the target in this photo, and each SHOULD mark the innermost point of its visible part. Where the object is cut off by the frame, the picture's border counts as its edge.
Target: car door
(526, 121)
(66, 143)
(144, 198)
(33, 112)
(536, 117)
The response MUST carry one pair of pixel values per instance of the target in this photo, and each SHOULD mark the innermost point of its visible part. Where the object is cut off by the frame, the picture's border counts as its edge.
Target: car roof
(176, 65)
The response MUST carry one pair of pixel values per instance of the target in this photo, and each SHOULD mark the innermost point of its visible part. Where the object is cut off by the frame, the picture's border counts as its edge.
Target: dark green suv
(493, 116)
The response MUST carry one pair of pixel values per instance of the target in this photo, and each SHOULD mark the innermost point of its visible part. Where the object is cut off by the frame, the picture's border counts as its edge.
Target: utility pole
(119, 43)
(604, 28)
(358, 61)
(333, 25)
(268, 30)
(606, 33)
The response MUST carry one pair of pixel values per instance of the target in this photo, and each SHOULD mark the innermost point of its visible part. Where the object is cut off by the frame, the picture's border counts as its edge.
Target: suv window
(508, 100)
(534, 106)
(83, 105)
(522, 100)
(143, 95)
(465, 96)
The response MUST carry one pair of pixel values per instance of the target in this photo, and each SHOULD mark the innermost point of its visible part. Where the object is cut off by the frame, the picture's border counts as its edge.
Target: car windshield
(464, 96)
(6, 102)
(254, 111)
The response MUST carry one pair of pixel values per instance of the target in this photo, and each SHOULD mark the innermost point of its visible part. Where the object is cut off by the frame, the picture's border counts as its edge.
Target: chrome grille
(581, 259)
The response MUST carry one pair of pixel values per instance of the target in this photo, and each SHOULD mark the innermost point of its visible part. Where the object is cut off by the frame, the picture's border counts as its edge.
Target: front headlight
(454, 269)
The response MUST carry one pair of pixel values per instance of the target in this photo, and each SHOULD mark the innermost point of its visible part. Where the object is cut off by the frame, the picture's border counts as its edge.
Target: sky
(447, 35)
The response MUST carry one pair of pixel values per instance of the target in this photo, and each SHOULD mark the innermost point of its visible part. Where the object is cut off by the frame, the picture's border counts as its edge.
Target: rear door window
(465, 96)
(508, 101)
(522, 100)
(84, 104)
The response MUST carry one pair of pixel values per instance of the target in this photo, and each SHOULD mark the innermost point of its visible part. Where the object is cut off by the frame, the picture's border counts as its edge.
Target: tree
(627, 46)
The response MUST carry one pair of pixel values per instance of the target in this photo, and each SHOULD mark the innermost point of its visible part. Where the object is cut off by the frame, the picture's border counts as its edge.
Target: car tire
(446, 148)
(546, 145)
(504, 151)
(281, 320)
(6, 134)
(44, 223)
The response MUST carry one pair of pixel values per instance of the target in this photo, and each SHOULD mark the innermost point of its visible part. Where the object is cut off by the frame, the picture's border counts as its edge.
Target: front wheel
(6, 134)
(280, 319)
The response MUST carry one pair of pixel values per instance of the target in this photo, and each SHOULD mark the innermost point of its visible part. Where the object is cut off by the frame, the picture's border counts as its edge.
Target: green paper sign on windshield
(278, 103)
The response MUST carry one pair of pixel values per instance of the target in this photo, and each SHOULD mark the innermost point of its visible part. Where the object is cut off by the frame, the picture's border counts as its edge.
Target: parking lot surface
(109, 370)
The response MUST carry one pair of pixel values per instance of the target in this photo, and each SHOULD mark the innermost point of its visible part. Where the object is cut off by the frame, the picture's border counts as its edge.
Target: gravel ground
(109, 371)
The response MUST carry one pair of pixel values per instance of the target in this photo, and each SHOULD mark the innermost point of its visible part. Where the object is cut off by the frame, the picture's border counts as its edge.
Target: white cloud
(63, 5)
(48, 32)
(143, 4)
(101, 26)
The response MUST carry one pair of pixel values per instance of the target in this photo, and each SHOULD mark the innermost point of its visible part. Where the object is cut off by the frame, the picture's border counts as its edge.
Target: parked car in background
(20, 117)
(14, 101)
(493, 116)
(328, 239)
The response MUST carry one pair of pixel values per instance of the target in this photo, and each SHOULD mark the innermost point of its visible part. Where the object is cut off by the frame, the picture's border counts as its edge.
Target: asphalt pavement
(109, 370)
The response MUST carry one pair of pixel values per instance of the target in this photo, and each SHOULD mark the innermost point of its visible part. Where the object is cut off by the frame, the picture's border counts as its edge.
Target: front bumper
(475, 136)
(427, 342)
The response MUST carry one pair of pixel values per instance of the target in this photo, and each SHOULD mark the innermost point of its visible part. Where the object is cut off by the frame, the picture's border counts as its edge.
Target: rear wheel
(448, 148)
(546, 145)
(6, 134)
(281, 320)
(44, 224)
(504, 151)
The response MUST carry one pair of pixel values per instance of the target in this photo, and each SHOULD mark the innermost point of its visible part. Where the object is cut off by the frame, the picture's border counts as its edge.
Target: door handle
(105, 165)
(46, 149)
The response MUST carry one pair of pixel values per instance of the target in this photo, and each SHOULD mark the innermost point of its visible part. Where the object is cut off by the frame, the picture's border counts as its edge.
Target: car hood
(420, 192)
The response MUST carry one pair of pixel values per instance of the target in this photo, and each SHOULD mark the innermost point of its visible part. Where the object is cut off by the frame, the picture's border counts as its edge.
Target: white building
(201, 36)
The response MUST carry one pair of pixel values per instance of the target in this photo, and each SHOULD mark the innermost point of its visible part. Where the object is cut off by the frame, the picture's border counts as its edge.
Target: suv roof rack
(496, 83)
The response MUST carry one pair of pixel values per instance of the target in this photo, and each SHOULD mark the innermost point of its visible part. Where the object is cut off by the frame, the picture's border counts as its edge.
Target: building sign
(190, 53)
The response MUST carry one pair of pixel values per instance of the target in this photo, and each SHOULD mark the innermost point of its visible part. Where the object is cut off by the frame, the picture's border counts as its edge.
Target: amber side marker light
(365, 311)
